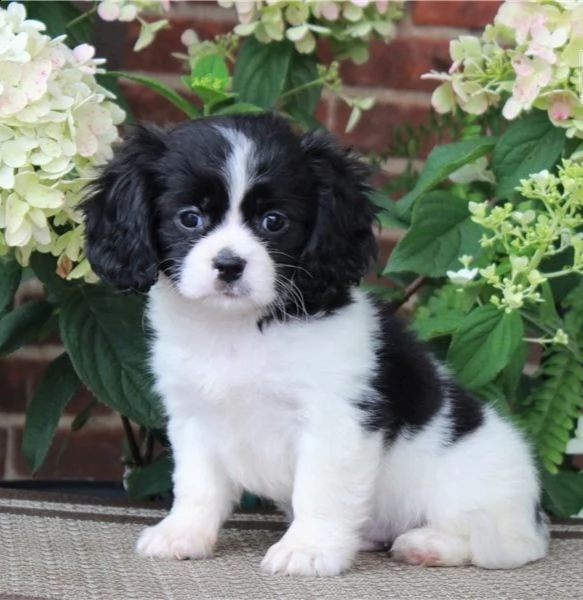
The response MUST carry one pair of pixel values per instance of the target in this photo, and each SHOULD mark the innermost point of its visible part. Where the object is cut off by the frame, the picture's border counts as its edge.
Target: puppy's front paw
(177, 537)
(307, 557)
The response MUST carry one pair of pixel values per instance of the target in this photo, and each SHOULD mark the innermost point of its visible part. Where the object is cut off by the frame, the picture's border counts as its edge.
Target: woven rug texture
(73, 549)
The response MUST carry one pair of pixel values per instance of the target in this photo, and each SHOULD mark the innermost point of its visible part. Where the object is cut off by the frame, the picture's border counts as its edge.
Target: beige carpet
(67, 548)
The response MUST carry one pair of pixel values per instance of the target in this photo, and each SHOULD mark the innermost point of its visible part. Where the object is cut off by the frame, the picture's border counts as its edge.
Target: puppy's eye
(274, 222)
(191, 219)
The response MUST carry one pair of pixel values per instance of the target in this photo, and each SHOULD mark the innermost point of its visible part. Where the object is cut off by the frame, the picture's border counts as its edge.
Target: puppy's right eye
(191, 219)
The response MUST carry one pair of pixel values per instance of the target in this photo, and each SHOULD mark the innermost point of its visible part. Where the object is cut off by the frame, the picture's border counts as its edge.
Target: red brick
(473, 14)
(2, 452)
(400, 64)
(89, 454)
(375, 130)
(148, 106)
(17, 379)
(157, 58)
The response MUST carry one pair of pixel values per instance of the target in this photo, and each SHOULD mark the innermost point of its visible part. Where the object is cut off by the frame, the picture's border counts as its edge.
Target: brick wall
(391, 76)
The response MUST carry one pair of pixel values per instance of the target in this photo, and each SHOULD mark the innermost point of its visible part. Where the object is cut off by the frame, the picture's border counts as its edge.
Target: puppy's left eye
(274, 222)
(191, 219)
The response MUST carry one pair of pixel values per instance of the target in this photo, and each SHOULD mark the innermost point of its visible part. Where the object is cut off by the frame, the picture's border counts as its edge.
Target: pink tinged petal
(526, 90)
(12, 101)
(382, 6)
(522, 66)
(511, 109)
(83, 52)
(560, 109)
(541, 51)
(361, 3)
(329, 10)
(87, 144)
(34, 79)
(108, 12)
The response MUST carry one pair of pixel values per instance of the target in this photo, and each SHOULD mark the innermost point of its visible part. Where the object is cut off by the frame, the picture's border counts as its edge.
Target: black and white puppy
(279, 376)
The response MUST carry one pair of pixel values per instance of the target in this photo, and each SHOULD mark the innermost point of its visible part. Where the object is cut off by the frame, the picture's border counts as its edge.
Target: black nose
(229, 265)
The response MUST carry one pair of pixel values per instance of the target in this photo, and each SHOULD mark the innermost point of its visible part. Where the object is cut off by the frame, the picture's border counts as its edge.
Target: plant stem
(302, 87)
(133, 445)
(149, 448)
(84, 15)
(410, 290)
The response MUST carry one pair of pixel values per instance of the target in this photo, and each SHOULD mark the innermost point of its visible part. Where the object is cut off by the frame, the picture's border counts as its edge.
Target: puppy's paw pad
(171, 539)
(427, 547)
(291, 559)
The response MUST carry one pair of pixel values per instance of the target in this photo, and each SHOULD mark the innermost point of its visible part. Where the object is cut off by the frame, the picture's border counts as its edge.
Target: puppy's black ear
(342, 247)
(119, 212)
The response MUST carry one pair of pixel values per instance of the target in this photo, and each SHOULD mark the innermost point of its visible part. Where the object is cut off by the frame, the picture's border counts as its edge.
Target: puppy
(280, 377)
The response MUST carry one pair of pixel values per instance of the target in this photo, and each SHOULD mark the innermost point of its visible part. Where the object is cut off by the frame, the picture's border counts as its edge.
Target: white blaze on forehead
(238, 168)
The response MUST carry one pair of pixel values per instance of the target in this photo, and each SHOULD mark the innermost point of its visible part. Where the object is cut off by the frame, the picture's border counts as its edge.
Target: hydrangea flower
(56, 125)
(348, 24)
(523, 238)
(129, 10)
(530, 57)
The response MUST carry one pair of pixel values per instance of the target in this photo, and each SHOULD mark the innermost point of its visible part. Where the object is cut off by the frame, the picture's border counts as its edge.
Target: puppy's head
(239, 212)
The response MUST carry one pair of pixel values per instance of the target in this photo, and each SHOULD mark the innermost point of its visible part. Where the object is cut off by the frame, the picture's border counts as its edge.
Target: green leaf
(104, 336)
(303, 70)
(23, 324)
(45, 269)
(61, 17)
(58, 386)
(528, 146)
(563, 493)
(484, 344)
(441, 162)
(83, 416)
(10, 276)
(164, 90)
(210, 79)
(239, 107)
(512, 373)
(153, 480)
(441, 231)
(438, 325)
(261, 71)
(555, 401)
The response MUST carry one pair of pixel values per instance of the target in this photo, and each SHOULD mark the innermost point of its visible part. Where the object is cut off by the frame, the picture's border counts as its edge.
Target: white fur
(272, 412)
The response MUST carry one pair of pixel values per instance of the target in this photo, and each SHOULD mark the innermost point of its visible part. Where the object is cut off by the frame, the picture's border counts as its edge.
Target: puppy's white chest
(242, 396)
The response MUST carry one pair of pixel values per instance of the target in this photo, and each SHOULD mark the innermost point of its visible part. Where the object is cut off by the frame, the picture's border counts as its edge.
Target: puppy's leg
(335, 474)
(203, 499)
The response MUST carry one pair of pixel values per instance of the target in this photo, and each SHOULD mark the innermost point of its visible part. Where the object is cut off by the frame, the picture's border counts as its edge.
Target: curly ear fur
(342, 247)
(118, 214)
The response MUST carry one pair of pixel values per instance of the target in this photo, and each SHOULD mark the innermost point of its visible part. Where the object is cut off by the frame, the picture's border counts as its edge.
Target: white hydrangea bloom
(56, 125)
(349, 24)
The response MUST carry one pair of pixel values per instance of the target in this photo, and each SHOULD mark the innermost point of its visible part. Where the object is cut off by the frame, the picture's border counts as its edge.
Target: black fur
(410, 390)
(133, 234)
(130, 210)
